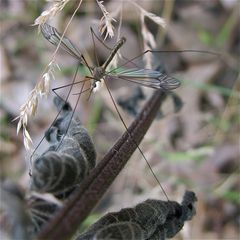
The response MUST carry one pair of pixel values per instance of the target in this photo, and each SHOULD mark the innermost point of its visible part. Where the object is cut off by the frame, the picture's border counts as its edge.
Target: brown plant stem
(78, 206)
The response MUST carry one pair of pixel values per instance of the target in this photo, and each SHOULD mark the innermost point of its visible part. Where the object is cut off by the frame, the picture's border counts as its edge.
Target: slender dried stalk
(83, 200)
(42, 88)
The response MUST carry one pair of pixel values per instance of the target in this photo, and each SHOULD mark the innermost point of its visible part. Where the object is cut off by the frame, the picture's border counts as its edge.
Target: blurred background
(196, 148)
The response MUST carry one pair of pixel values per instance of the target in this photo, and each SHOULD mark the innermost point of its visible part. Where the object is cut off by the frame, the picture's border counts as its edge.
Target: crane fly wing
(154, 83)
(54, 37)
(138, 73)
(147, 77)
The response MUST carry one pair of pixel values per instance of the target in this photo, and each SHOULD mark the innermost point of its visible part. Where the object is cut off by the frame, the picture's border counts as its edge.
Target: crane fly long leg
(70, 84)
(108, 48)
(166, 51)
(74, 109)
(85, 90)
(94, 46)
(95, 35)
(73, 81)
(139, 149)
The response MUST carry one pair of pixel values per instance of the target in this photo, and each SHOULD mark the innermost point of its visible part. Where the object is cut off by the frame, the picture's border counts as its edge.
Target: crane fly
(155, 79)
(145, 77)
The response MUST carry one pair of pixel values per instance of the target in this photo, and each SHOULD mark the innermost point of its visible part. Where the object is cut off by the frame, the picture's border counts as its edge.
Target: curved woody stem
(79, 205)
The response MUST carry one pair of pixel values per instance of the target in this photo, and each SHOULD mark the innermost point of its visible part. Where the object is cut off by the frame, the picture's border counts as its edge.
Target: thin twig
(66, 221)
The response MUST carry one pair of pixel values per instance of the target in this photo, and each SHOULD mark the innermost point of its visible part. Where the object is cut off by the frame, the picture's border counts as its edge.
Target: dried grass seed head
(106, 25)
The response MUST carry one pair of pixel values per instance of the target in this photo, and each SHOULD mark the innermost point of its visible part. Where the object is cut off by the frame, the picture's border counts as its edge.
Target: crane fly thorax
(98, 74)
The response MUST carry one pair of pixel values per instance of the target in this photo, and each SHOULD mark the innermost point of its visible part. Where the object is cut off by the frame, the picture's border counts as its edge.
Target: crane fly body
(145, 77)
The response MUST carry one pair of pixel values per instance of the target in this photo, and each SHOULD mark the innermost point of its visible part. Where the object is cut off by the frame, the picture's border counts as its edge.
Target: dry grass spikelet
(43, 86)
(56, 6)
(29, 108)
(106, 21)
(148, 38)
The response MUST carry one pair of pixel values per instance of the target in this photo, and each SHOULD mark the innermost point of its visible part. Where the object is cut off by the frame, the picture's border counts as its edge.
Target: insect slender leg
(85, 90)
(95, 35)
(75, 107)
(141, 152)
(68, 85)
(110, 49)
(94, 46)
(90, 93)
(166, 51)
(87, 65)
(71, 86)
